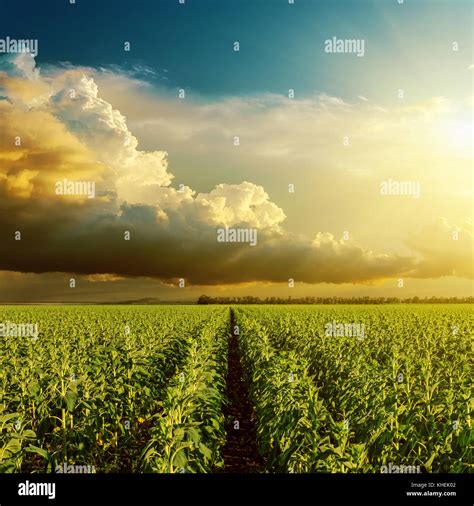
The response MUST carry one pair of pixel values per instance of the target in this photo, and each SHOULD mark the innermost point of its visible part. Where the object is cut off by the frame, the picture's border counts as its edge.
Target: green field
(342, 388)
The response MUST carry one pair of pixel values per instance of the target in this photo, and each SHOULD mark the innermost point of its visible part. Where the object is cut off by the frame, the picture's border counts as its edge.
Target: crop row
(296, 432)
(85, 390)
(189, 430)
(399, 394)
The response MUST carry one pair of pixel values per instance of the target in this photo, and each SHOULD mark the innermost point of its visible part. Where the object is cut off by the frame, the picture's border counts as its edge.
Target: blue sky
(190, 45)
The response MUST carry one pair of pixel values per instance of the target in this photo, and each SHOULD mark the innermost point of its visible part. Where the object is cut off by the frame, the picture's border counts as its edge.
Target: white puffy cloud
(230, 205)
(104, 130)
(141, 177)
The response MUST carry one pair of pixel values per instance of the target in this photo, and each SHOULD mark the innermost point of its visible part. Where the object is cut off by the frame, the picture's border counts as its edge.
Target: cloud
(68, 131)
(446, 250)
(306, 129)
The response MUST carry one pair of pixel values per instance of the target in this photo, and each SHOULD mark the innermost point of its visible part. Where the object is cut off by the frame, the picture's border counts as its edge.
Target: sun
(459, 135)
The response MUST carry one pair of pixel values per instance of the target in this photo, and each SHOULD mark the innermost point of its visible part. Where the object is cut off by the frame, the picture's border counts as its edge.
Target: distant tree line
(205, 299)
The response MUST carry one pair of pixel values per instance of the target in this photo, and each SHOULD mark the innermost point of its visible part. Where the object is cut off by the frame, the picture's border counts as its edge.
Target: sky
(182, 135)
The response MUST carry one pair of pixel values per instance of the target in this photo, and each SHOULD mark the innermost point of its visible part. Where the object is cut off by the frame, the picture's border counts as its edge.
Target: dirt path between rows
(240, 451)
